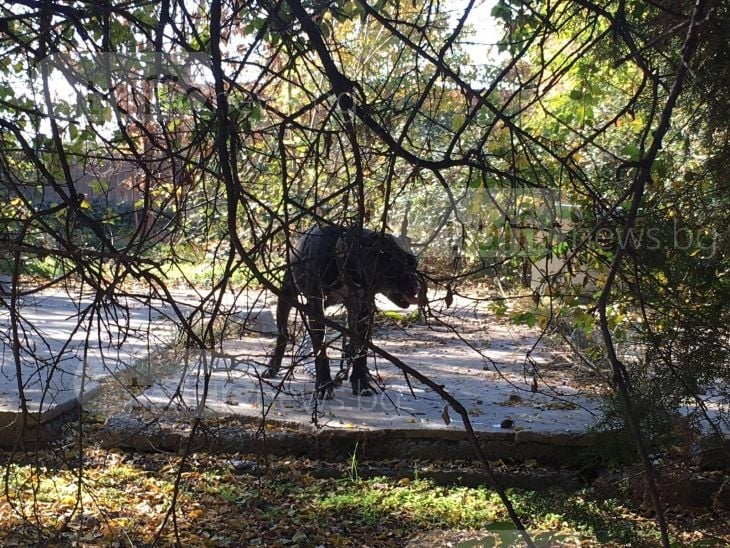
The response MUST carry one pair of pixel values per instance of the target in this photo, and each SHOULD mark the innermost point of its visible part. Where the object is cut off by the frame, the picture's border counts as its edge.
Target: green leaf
(499, 309)
(501, 11)
(325, 30)
(588, 114)
(99, 187)
(529, 319)
(660, 168)
(352, 8)
(475, 180)
(255, 112)
(457, 121)
(631, 150)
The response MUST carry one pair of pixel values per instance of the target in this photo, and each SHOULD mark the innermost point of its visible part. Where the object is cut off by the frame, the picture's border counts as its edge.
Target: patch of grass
(418, 501)
(130, 496)
(584, 513)
(432, 506)
(403, 319)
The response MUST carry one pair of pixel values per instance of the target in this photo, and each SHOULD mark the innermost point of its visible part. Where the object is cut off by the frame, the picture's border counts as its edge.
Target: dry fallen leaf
(445, 415)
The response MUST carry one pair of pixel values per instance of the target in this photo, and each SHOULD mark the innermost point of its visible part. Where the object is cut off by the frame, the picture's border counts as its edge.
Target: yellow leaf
(457, 121)
(111, 531)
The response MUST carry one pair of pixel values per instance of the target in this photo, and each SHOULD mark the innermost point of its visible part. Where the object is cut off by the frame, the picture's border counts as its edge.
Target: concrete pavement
(64, 347)
(483, 366)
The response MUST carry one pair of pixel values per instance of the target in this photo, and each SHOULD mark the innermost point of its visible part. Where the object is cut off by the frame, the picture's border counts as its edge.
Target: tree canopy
(141, 140)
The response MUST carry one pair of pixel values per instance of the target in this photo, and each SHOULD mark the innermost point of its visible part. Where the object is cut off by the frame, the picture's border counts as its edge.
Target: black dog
(335, 265)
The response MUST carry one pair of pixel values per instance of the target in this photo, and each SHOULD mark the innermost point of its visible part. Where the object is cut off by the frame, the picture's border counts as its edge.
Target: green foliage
(402, 318)
(352, 471)
(657, 417)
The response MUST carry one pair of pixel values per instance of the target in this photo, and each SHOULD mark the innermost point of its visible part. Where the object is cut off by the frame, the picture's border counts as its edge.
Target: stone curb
(131, 431)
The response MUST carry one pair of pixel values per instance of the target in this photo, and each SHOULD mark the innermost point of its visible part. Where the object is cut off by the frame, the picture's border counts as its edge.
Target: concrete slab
(484, 367)
(65, 349)
(69, 345)
(524, 399)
